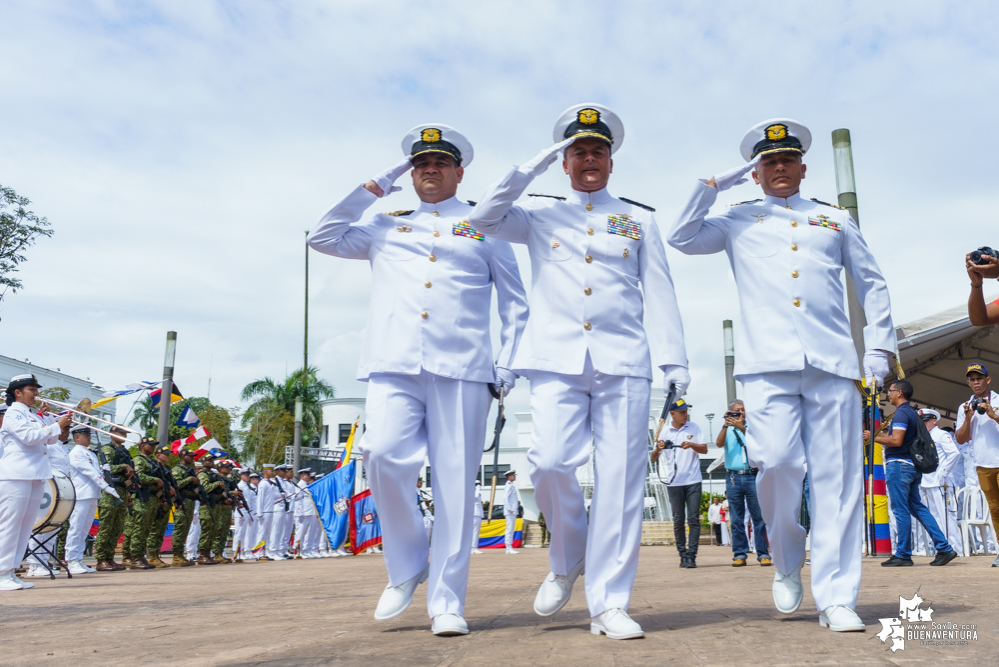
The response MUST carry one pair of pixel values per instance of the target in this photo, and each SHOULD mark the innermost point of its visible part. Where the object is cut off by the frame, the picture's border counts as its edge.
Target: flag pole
(166, 392)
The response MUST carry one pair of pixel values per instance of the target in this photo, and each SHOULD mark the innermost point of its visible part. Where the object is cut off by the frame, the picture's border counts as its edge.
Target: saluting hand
(381, 185)
(733, 177)
(540, 163)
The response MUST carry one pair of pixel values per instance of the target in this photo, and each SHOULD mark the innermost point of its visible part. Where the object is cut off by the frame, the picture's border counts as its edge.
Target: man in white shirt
(978, 423)
(935, 489)
(511, 507)
(427, 359)
(715, 518)
(797, 361)
(680, 468)
(603, 315)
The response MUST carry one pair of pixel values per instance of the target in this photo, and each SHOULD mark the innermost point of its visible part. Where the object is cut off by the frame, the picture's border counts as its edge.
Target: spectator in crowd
(903, 480)
(740, 487)
(683, 441)
(726, 534)
(936, 491)
(979, 312)
(715, 518)
(978, 423)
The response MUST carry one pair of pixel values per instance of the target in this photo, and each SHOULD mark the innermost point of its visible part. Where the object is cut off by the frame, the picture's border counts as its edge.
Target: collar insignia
(404, 228)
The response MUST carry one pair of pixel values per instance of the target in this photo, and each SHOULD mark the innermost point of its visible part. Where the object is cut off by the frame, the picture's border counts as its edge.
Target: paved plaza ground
(318, 612)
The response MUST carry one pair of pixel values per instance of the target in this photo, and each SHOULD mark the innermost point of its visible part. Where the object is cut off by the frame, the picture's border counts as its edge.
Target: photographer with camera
(740, 488)
(982, 264)
(682, 441)
(978, 423)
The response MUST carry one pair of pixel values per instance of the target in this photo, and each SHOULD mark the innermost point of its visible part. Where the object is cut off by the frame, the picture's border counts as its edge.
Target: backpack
(923, 450)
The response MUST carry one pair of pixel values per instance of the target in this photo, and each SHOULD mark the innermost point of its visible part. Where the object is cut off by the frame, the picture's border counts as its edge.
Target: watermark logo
(916, 624)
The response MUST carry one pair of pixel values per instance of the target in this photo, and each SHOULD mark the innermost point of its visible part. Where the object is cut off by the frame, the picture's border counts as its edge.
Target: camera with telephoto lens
(984, 251)
(978, 405)
(733, 415)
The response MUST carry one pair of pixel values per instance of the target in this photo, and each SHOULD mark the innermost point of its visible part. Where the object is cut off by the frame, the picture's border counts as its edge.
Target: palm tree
(145, 415)
(305, 383)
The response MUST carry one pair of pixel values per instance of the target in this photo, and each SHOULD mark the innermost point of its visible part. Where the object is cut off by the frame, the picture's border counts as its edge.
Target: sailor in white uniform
(277, 540)
(797, 360)
(24, 471)
(88, 482)
(428, 360)
(268, 494)
(600, 282)
(425, 502)
(511, 507)
(477, 518)
(245, 525)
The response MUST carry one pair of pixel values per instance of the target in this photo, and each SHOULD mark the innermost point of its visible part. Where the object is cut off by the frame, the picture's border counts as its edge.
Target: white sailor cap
(510, 472)
(268, 466)
(254, 474)
(929, 413)
(305, 470)
(777, 135)
(590, 120)
(438, 138)
(80, 428)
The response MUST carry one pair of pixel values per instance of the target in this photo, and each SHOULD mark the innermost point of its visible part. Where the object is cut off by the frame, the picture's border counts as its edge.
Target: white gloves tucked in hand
(544, 159)
(676, 375)
(385, 179)
(505, 380)
(875, 367)
(735, 176)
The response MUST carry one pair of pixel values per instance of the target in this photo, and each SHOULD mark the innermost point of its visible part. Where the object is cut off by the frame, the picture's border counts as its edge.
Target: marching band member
(24, 469)
(88, 482)
(798, 363)
(427, 360)
(600, 281)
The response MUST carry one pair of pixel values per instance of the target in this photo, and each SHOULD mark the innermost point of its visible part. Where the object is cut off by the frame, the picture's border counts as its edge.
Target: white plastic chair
(974, 498)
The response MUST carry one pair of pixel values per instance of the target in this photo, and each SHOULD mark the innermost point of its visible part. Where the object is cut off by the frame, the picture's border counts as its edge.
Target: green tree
(18, 230)
(268, 396)
(272, 429)
(55, 393)
(145, 415)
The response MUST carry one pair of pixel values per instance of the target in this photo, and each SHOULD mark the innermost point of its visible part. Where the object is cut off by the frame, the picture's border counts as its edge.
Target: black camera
(733, 415)
(669, 445)
(984, 251)
(978, 405)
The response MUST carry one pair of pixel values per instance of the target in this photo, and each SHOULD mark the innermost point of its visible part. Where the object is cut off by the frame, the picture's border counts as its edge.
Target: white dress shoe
(396, 599)
(616, 624)
(36, 571)
(787, 590)
(447, 625)
(8, 583)
(89, 569)
(77, 567)
(24, 584)
(476, 551)
(512, 551)
(841, 619)
(555, 591)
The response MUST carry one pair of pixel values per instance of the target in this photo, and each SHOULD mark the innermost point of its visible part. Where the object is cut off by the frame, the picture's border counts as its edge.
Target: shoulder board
(532, 194)
(472, 203)
(842, 208)
(398, 213)
(748, 201)
(635, 203)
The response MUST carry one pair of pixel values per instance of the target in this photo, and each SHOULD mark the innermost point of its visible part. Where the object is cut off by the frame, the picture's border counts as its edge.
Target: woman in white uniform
(24, 468)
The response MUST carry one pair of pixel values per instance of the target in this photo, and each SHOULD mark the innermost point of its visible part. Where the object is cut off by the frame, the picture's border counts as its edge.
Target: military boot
(133, 563)
(105, 566)
(145, 564)
(205, 558)
(156, 562)
(180, 561)
(126, 561)
(117, 566)
(222, 560)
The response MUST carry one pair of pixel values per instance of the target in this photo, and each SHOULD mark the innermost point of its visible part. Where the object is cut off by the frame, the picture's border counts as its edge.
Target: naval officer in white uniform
(600, 281)
(511, 507)
(428, 360)
(797, 360)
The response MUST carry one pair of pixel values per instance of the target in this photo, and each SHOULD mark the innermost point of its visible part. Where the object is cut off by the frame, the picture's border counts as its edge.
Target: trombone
(82, 409)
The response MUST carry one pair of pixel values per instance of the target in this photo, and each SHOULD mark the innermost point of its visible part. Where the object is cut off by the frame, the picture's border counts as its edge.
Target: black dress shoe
(944, 558)
(692, 561)
(895, 561)
(683, 560)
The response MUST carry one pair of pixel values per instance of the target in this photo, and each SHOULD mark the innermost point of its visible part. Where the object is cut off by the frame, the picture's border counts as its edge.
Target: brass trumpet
(82, 409)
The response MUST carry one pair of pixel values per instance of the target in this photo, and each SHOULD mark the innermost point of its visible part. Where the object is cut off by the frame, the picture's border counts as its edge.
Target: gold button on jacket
(424, 314)
(797, 302)
(587, 326)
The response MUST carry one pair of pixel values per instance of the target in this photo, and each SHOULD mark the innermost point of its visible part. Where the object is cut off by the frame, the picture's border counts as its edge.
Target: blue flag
(365, 528)
(188, 418)
(332, 497)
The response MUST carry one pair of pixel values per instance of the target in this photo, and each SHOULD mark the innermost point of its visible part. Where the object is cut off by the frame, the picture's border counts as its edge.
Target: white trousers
(310, 533)
(566, 408)
(409, 417)
(275, 522)
(944, 512)
(266, 522)
(289, 525)
(476, 529)
(20, 500)
(193, 534)
(511, 528)
(812, 416)
(726, 539)
(80, 522)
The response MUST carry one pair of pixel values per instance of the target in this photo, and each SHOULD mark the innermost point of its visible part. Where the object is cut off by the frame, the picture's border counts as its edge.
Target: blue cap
(977, 368)
(679, 405)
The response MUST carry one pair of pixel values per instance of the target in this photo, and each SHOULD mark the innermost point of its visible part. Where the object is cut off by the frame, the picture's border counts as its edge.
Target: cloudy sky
(181, 149)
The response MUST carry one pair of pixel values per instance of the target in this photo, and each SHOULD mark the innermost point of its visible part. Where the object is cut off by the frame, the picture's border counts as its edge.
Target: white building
(79, 388)
(340, 413)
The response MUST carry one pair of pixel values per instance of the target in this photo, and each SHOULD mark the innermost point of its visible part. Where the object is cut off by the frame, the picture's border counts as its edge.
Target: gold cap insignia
(588, 116)
(431, 134)
(777, 132)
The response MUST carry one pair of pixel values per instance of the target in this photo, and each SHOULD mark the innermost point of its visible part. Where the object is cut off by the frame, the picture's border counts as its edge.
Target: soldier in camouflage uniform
(157, 530)
(112, 519)
(223, 512)
(144, 508)
(209, 515)
(187, 481)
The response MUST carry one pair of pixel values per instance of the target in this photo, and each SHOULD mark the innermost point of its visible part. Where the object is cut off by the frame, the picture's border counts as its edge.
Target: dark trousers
(717, 529)
(686, 498)
(903, 490)
(741, 492)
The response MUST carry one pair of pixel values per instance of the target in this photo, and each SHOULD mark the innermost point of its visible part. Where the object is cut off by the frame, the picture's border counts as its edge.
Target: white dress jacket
(432, 281)
(24, 441)
(788, 257)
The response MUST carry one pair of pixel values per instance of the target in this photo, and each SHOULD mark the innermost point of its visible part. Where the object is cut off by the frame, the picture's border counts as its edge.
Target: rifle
(205, 501)
(109, 479)
(224, 485)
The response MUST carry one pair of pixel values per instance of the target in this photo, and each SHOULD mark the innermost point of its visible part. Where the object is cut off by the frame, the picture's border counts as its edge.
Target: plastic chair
(974, 497)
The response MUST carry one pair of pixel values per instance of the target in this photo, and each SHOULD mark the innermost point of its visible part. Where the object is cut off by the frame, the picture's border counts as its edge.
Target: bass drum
(57, 504)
